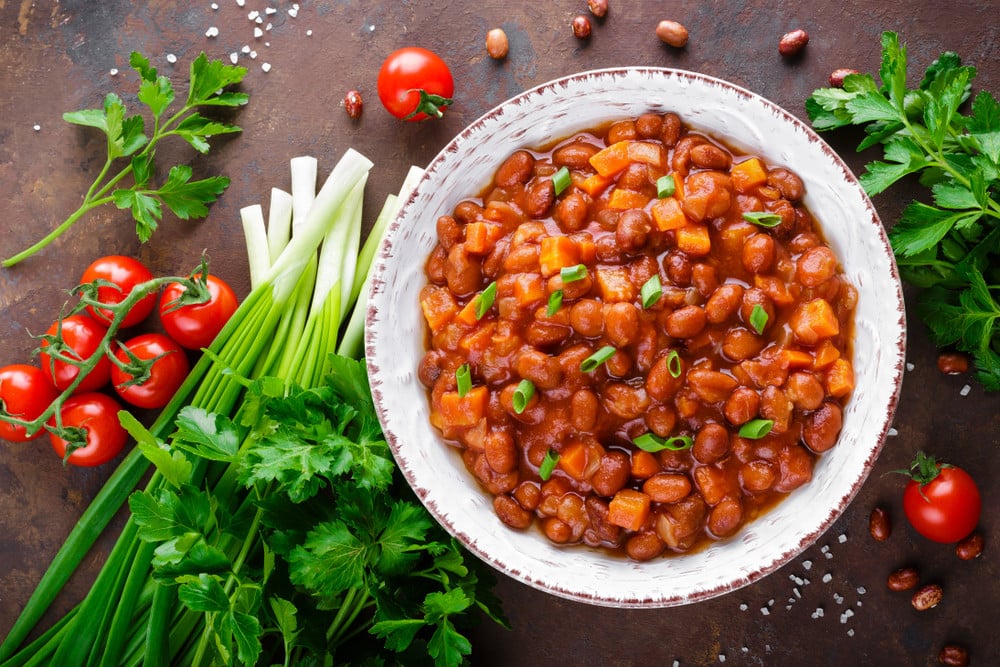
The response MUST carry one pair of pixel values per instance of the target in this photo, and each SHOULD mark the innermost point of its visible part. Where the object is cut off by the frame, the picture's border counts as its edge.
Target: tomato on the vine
(125, 273)
(81, 336)
(25, 393)
(195, 325)
(97, 414)
(415, 83)
(942, 502)
(163, 378)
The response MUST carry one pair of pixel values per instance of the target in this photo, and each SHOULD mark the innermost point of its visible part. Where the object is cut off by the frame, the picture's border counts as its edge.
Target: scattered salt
(268, 26)
(838, 598)
(266, 67)
(818, 613)
(827, 578)
(36, 127)
(240, 3)
(171, 58)
(850, 632)
(259, 20)
(892, 432)
(293, 12)
(842, 538)
(859, 603)
(253, 55)
(965, 390)
(765, 611)
(214, 6)
(826, 548)
(212, 32)
(797, 592)
(246, 48)
(788, 607)
(309, 33)
(805, 582)
(743, 606)
(234, 57)
(253, 15)
(268, 44)
(114, 71)
(258, 33)
(295, 6)
(722, 657)
(909, 366)
(770, 603)
(862, 590)
(270, 10)
(677, 663)
(828, 555)
(807, 564)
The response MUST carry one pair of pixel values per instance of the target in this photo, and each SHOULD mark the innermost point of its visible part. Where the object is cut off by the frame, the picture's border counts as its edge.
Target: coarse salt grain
(293, 12)
(892, 432)
(214, 7)
(266, 67)
(850, 632)
(862, 590)
(828, 555)
(805, 582)
(797, 593)
(171, 58)
(965, 390)
(827, 578)
(745, 649)
(909, 366)
(212, 32)
(268, 44)
(765, 611)
(838, 598)
(842, 538)
(253, 15)
(259, 20)
(722, 657)
(258, 33)
(743, 606)
(36, 127)
(253, 55)
(114, 71)
(826, 547)
(859, 603)
(240, 3)
(270, 10)
(309, 33)
(788, 607)
(677, 663)
(806, 564)
(234, 57)
(268, 26)
(246, 48)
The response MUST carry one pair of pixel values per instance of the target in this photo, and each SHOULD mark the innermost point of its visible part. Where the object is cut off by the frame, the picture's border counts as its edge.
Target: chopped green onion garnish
(525, 390)
(758, 318)
(571, 274)
(597, 358)
(650, 442)
(665, 186)
(555, 301)
(674, 366)
(756, 428)
(762, 219)
(651, 291)
(548, 464)
(561, 180)
(463, 376)
(485, 300)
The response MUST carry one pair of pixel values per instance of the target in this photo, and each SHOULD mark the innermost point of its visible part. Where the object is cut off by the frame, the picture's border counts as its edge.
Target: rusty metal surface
(57, 56)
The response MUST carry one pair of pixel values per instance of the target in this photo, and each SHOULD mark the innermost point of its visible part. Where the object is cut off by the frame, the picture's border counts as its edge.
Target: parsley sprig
(127, 140)
(948, 246)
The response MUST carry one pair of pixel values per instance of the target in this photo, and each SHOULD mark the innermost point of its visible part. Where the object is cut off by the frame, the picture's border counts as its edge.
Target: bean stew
(638, 338)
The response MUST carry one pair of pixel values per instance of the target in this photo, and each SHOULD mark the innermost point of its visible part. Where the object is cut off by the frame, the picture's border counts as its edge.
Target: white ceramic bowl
(396, 334)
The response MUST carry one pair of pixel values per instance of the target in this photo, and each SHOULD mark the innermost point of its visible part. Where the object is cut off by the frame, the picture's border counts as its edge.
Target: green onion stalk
(286, 328)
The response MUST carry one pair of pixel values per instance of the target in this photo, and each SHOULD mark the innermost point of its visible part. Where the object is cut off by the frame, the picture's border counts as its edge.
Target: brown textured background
(57, 56)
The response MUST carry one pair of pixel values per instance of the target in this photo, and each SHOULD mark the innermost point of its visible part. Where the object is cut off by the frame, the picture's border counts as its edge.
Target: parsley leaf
(331, 561)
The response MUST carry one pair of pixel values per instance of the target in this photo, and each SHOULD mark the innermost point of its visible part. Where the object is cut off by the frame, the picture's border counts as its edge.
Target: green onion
(762, 219)
(651, 291)
(665, 186)
(485, 300)
(463, 376)
(561, 180)
(758, 318)
(548, 464)
(522, 394)
(571, 274)
(650, 442)
(597, 358)
(674, 366)
(555, 302)
(756, 428)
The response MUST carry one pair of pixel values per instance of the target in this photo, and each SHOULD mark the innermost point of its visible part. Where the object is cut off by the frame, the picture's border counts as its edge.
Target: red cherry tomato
(98, 415)
(165, 375)
(82, 337)
(196, 325)
(125, 273)
(25, 393)
(942, 502)
(414, 84)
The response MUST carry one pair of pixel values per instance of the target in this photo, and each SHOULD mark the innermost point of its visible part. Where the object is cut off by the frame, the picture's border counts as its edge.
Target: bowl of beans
(637, 337)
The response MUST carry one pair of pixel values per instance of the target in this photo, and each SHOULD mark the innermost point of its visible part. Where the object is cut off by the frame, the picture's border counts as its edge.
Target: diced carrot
(732, 236)
(558, 252)
(438, 305)
(774, 288)
(647, 153)
(587, 247)
(796, 359)
(478, 339)
(481, 237)
(464, 410)
(629, 509)
(529, 288)
(609, 161)
(748, 174)
(506, 338)
(694, 240)
(615, 284)
(678, 186)
(668, 214)
(825, 355)
(467, 315)
(840, 378)
(813, 321)
(594, 184)
(573, 460)
(623, 199)
(644, 464)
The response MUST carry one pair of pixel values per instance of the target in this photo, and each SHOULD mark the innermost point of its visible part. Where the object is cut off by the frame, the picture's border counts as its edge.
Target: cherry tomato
(942, 502)
(414, 84)
(196, 325)
(98, 414)
(25, 393)
(125, 273)
(81, 336)
(165, 375)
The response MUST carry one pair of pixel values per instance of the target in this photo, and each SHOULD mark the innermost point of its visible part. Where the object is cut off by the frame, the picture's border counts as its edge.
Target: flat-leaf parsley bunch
(950, 246)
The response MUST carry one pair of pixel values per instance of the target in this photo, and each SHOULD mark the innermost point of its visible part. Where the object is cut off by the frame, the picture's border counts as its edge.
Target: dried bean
(904, 579)
(969, 548)
(927, 597)
(793, 42)
(497, 44)
(953, 655)
(879, 525)
(672, 33)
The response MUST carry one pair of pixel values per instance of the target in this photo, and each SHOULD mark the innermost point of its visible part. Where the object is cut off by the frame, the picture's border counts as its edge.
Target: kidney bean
(704, 278)
(623, 130)
(574, 155)
(774, 405)
(740, 344)
(879, 526)
(621, 324)
(709, 156)
(741, 406)
(497, 44)
(510, 512)
(643, 546)
(612, 473)
(786, 182)
(468, 211)
(757, 476)
(661, 419)
(429, 368)
(927, 597)
(635, 177)
(838, 75)
(953, 655)
(793, 42)
(619, 365)
(795, 467)
(496, 483)
(971, 547)
(649, 126)
(815, 266)
(571, 212)
(584, 407)
(515, 169)
(557, 530)
(528, 494)
(686, 322)
(597, 512)
(671, 131)
(541, 369)
(726, 517)
(758, 253)
(678, 267)
(953, 363)
(539, 196)
(546, 334)
(756, 297)
(822, 427)
(661, 385)
(449, 231)
(804, 390)
(437, 266)
(625, 401)
(463, 272)
(353, 104)
(711, 386)
(711, 483)
(903, 579)
(633, 230)
(672, 33)
(681, 159)
(711, 443)
(667, 487)
(581, 27)
(723, 302)
(587, 317)
(522, 259)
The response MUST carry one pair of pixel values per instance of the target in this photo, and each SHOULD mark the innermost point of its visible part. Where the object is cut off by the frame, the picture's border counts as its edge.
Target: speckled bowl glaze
(396, 333)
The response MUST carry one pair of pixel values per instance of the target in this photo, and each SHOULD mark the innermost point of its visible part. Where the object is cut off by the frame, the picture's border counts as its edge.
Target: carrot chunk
(629, 509)
(814, 321)
(573, 460)
(614, 284)
(694, 240)
(529, 288)
(648, 153)
(481, 237)
(644, 464)
(668, 214)
(594, 184)
(825, 355)
(609, 161)
(438, 305)
(796, 359)
(465, 410)
(558, 252)
(748, 174)
(467, 315)
(623, 199)
(840, 378)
